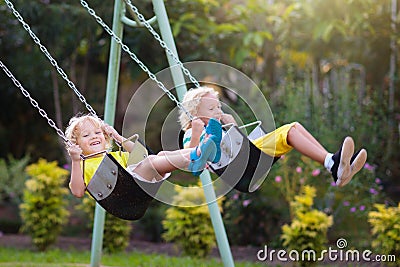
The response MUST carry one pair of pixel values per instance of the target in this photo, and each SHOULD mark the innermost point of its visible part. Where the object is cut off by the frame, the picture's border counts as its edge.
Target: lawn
(60, 258)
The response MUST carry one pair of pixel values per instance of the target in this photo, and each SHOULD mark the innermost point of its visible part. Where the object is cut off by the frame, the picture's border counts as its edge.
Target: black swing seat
(120, 193)
(242, 165)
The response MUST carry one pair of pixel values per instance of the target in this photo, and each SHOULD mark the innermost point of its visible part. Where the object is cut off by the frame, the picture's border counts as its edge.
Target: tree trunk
(75, 99)
(392, 73)
(57, 109)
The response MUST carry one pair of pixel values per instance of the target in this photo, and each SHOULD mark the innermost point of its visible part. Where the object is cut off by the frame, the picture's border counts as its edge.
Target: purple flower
(246, 202)
(67, 167)
(362, 207)
(333, 184)
(353, 209)
(373, 191)
(346, 203)
(369, 167)
(299, 170)
(378, 181)
(235, 196)
(278, 179)
(315, 172)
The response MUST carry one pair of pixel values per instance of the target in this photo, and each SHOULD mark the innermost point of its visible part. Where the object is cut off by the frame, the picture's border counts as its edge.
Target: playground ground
(240, 254)
(80, 244)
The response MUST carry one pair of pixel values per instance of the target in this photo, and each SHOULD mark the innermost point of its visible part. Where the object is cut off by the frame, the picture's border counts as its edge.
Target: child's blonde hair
(190, 102)
(75, 123)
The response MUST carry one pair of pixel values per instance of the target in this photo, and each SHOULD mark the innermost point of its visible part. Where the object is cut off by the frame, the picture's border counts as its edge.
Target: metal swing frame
(253, 173)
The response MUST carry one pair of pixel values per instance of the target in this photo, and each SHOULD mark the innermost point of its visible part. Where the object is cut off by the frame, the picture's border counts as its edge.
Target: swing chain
(134, 57)
(34, 103)
(162, 43)
(51, 59)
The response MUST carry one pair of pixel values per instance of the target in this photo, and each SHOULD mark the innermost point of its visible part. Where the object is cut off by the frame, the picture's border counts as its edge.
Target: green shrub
(43, 210)
(12, 179)
(189, 225)
(149, 227)
(116, 231)
(251, 219)
(308, 230)
(385, 224)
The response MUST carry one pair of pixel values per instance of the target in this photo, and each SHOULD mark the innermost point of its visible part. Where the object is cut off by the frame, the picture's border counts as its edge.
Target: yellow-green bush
(189, 225)
(308, 230)
(385, 224)
(43, 210)
(116, 231)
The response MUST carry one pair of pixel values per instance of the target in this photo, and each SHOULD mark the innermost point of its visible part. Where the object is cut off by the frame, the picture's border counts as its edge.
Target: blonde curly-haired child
(90, 135)
(203, 103)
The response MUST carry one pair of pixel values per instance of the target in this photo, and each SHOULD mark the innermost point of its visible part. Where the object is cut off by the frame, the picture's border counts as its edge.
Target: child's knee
(161, 153)
(293, 131)
(149, 159)
(297, 124)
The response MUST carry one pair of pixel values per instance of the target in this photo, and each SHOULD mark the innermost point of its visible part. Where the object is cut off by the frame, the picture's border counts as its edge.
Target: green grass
(11, 257)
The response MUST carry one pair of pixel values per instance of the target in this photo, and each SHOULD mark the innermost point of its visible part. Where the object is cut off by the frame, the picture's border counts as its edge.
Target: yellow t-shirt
(92, 164)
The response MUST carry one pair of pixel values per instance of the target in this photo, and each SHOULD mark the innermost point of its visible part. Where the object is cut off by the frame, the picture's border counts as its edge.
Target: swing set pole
(109, 117)
(179, 81)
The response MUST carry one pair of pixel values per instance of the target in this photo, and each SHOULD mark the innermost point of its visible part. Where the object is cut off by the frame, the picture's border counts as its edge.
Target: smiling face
(90, 138)
(209, 107)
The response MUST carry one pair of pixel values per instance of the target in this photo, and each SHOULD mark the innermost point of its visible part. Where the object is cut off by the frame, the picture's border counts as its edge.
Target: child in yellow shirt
(90, 135)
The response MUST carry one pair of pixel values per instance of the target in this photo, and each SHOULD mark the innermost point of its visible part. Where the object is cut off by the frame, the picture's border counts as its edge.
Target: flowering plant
(349, 205)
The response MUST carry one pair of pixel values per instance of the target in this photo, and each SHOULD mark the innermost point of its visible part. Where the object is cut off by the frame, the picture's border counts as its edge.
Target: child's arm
(76, 184)
(227, 119)
(126, 144)
(197, 130)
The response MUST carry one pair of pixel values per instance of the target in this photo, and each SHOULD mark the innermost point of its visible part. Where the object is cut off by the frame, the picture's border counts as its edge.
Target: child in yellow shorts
(203, 103)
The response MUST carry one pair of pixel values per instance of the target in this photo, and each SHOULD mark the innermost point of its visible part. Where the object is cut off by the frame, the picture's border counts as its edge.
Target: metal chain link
(162, 43)
(51, 59)
(34, 103)
(135, 58)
